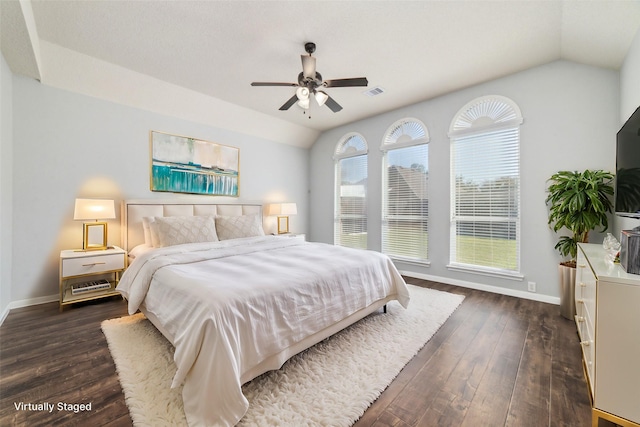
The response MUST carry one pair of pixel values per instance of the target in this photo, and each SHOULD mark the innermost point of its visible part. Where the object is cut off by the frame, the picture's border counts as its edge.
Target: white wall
(6, 138)
(67, 145)
(629, 101)
(571, 115)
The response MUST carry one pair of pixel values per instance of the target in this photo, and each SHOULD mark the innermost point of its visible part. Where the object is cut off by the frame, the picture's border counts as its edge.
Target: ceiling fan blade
(272, 84)
(308, 66)
(332, 104)
(289, 103)
(356, 81)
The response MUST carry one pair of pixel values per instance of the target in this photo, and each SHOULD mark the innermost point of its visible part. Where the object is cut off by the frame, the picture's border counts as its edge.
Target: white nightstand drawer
(92, 264)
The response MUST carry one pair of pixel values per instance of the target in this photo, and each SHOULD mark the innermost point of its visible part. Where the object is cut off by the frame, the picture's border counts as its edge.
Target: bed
(240, 303)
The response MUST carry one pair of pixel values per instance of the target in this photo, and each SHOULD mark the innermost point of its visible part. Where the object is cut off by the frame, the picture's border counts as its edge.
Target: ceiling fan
(310, 84)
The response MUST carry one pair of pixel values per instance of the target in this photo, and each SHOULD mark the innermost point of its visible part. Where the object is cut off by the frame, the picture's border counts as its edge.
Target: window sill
(423, 263)
(486, 271)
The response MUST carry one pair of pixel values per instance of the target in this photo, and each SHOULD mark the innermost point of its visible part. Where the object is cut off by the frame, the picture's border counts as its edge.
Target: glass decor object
(611, 247)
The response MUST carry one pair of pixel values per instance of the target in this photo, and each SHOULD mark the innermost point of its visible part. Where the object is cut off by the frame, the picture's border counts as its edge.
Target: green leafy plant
(579, 202)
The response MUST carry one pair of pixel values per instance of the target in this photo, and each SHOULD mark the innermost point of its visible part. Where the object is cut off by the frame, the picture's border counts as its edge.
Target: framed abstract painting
(180, 164)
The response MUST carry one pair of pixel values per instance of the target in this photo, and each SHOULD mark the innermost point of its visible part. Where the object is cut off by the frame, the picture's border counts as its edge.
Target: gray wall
(571, 115)
(56, 146)
(67, 145)
(6, 130)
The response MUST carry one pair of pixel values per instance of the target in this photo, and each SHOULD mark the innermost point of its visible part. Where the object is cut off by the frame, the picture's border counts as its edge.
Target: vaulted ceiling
(414, 50)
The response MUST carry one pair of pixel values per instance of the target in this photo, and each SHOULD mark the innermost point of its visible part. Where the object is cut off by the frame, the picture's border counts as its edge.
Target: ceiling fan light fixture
(309, 81)
(321, 97)
(302, 93)
(304, 104)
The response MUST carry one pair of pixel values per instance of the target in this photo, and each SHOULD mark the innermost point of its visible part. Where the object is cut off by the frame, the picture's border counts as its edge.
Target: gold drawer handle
(584, 285)
(586, 343)
(580, 319)
(580, 301)
(93, 263)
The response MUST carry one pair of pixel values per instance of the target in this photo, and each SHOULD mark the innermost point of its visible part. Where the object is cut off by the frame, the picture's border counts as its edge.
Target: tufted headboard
(134, 210)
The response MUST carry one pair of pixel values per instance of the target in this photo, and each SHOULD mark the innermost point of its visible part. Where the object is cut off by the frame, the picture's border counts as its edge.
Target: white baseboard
(4, 314)
(482, 287)
(26, 303)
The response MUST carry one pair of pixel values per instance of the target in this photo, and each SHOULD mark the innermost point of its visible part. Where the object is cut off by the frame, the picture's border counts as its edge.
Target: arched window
(350, 218)
(405, 201)
(485, 186)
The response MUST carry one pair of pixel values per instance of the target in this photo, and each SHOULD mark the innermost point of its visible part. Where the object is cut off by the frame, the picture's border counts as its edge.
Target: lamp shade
(321, 97)
(282, 209)
(289, 209)
(274, 209)
(94, 209)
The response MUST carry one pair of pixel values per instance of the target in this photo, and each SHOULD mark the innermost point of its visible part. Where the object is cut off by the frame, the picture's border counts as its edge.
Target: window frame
(485, 117)
(413, 133)
(343, 152)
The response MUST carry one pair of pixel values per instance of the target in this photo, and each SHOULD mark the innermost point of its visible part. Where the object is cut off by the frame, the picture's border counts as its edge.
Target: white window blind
(405, 210)
(485, 186)
(350, 220)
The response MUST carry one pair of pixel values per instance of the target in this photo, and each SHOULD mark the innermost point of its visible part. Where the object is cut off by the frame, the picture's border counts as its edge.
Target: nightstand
(89, 275)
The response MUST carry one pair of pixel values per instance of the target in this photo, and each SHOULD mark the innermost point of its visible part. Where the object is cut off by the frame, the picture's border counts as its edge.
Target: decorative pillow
(234, 227)
(176, 230)
(146, 228)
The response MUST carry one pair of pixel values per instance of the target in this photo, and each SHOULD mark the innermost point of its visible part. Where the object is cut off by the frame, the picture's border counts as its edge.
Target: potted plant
(579, 202)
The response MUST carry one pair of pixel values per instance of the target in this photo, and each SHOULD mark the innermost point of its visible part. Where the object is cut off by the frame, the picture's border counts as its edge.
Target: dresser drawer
(585, 289)
(587, 344)
(586, 283)
(91, 264)
(579, 295)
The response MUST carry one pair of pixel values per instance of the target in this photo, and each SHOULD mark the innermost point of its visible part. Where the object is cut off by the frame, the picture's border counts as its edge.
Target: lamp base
(283, 224)
(94, 236)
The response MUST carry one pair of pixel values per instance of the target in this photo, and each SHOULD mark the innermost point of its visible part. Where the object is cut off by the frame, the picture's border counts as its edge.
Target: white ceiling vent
(374, 91)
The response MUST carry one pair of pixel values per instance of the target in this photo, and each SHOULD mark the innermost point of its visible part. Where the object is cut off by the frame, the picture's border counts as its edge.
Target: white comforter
(235, 309)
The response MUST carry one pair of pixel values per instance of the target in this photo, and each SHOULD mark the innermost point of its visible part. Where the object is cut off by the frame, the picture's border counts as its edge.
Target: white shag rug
(330, 384)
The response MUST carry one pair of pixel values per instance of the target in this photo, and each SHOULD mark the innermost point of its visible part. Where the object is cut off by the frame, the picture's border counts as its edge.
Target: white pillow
(139, 250)
(146, 228)
(234, 227)
(177, 230)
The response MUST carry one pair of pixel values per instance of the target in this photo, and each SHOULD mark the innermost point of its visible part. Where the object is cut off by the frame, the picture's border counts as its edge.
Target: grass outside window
(479, 251)
(487, 252)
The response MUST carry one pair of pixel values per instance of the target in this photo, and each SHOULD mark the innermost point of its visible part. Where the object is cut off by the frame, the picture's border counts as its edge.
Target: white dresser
(608, 321)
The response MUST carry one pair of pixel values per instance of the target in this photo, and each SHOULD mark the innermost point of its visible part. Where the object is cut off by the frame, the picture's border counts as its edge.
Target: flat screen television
(627, 188)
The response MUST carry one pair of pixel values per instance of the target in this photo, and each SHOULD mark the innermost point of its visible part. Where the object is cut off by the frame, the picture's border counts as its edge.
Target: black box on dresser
(630, 251)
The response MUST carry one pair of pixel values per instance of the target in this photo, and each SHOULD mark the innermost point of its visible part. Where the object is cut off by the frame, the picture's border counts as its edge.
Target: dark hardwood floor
(497, 361)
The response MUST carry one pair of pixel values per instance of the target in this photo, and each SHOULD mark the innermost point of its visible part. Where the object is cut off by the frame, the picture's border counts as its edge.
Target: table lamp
(283, 210)
(94, 233)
